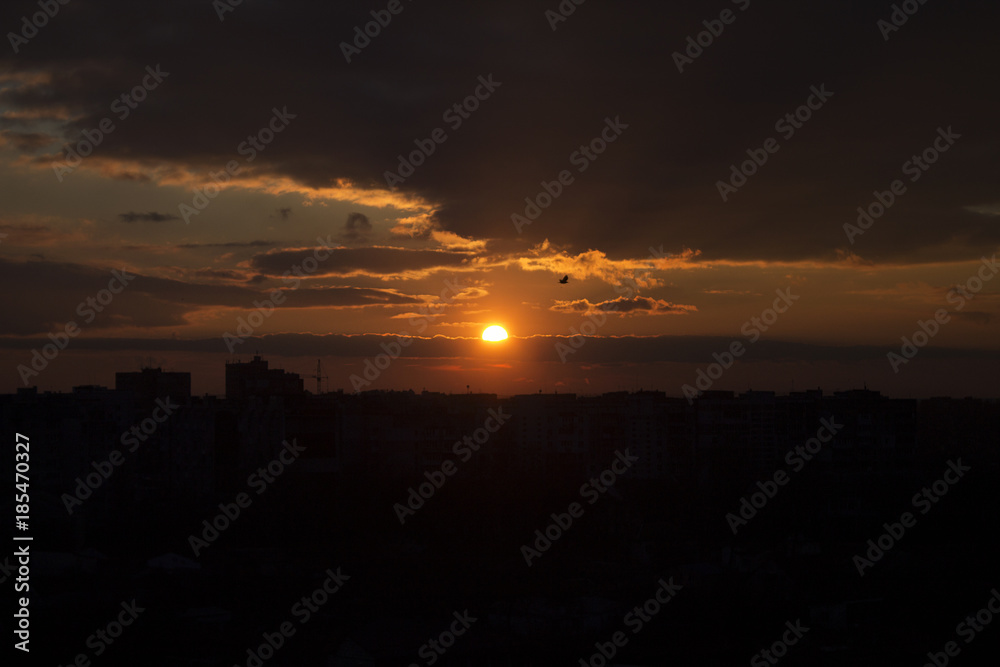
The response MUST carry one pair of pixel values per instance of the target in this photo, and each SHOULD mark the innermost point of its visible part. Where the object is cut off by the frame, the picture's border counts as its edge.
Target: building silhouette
(254, 378)
(151, 383)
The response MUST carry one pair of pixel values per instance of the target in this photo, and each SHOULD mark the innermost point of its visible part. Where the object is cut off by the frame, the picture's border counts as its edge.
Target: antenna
(320, 377)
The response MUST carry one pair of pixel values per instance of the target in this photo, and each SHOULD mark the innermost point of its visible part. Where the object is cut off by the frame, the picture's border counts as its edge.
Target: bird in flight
(564, 280)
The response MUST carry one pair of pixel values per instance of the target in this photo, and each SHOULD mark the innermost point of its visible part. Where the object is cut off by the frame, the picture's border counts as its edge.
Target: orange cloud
(623, 306)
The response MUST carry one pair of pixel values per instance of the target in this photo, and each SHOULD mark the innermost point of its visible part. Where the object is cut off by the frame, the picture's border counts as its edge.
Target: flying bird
(564, 280)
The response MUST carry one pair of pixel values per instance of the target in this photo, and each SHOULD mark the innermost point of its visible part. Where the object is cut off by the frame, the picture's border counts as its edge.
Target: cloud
(412, 315)
(231, 244)
(597, 350)
(655, 183)
(415, 226)
(376, 261)
(222, 274)
(152, 216)
(356, 228)
(638, 305)
(49, 234)
(58, 289)
(989, 209)
(974, 316)
(596, 264)
(27, 142)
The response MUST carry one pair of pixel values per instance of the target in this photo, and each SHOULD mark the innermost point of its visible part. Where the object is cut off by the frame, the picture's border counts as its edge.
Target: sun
(494, 333)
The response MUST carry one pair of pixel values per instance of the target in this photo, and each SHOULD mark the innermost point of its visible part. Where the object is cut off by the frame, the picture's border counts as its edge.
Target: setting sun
(494, 333)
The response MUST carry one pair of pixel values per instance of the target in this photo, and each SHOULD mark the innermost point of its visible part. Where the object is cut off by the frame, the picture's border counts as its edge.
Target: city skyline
(359, 382)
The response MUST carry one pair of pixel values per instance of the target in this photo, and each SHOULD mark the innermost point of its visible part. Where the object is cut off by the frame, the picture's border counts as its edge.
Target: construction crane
(320, 377)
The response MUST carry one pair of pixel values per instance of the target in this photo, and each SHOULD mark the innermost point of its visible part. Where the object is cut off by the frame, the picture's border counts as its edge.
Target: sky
(777, 196)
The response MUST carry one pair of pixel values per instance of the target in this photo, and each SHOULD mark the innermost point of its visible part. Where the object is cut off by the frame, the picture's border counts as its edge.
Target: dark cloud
(639, 305)
(975, 316)
(152, 216)
(556, 89)
(222, 274)
(233, 244)
(596, 350)
(59, 289)
(28, 142)
(356, 228)
(371, 261)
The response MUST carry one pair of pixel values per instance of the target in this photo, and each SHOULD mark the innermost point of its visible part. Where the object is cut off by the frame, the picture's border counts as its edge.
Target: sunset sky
(612, 108)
